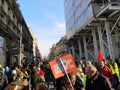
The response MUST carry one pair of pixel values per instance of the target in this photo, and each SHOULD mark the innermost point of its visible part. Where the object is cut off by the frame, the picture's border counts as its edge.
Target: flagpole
(66, 74)
(20, 46)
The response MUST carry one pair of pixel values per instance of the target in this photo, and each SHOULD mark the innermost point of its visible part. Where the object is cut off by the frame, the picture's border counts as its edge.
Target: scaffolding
(102, 33)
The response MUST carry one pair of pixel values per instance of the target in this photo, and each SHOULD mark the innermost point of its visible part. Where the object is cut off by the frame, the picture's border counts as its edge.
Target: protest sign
(57, 67)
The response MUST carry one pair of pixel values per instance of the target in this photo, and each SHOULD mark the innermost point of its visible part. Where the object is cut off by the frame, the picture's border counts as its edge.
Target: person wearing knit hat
(100, 56)
(39, 78)
(13, 72)
(42, 73)
(13, 76)
(105, 70)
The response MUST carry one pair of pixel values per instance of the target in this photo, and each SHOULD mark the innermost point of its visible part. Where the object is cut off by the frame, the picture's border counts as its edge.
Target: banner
(57, 65)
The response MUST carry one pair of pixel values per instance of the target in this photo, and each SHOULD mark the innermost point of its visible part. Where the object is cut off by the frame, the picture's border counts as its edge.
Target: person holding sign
(77, 85)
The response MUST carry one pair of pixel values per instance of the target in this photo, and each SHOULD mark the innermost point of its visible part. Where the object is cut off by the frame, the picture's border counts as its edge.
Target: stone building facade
(12, 28)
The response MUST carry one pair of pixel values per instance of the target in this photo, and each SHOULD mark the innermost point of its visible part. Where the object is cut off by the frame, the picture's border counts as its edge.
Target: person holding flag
(76, 83)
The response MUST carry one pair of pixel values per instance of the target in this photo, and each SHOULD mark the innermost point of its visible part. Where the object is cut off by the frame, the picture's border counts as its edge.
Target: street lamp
(20, 46)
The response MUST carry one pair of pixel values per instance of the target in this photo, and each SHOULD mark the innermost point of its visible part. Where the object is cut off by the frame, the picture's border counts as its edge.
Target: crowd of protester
(33, 76)
(88, 76)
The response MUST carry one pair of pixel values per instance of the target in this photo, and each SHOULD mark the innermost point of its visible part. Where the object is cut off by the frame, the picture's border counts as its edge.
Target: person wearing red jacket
(105, 70)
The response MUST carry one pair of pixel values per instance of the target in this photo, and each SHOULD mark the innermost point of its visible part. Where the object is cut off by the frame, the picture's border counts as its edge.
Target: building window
(0, 2)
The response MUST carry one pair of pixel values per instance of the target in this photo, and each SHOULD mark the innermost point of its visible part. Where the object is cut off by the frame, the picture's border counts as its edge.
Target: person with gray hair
(95, 80)
(88, 63)
(41, 86)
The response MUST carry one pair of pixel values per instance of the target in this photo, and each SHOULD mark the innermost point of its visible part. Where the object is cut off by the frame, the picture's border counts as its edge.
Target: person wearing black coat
(95, 80)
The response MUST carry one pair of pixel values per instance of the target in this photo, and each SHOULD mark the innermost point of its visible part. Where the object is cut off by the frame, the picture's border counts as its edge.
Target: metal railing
(98, 5)
(7, 30)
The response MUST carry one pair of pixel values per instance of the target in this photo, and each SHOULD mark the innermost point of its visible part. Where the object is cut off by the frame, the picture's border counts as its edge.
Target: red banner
(57, 67)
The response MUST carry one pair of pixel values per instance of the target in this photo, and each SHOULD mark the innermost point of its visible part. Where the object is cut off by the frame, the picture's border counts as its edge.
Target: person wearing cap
(115, 71)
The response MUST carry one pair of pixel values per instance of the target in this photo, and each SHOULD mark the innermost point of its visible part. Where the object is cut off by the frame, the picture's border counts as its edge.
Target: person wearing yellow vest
(115, 71)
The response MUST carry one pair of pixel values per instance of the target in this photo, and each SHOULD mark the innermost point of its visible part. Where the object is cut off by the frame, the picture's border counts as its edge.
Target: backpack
(2, 80)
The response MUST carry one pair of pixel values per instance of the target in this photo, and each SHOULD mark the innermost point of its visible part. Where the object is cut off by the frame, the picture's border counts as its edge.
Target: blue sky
(46, 19)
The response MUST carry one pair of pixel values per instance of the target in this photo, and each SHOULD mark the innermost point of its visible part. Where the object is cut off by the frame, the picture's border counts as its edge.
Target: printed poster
(58, 69)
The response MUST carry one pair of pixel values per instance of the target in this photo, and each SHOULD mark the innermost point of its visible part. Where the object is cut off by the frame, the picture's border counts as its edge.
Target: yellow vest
(114, 68)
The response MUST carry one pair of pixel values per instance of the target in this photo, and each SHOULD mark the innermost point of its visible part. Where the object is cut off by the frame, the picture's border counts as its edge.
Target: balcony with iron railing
(102, 5)
(8, 30)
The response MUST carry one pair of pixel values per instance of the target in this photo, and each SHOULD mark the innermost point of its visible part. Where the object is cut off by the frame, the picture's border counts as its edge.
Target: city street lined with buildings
(87, 57)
